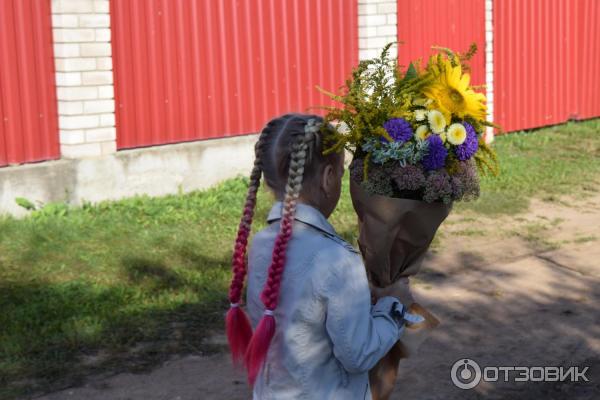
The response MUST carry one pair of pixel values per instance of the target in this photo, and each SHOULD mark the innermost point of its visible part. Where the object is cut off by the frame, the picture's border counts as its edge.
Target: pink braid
(237, 325)
(261, 340)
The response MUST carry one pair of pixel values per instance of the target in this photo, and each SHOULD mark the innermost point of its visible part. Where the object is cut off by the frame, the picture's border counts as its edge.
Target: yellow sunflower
(452, 95)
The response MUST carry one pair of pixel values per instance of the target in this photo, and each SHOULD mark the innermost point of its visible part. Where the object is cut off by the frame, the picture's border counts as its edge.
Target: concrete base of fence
(153, 171)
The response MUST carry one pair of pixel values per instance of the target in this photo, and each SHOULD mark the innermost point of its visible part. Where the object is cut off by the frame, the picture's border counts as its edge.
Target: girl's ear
(328, 177)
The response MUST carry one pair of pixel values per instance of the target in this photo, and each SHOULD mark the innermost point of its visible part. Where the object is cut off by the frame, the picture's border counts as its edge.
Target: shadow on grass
(153, 274)
(52, 335)
(192, 256)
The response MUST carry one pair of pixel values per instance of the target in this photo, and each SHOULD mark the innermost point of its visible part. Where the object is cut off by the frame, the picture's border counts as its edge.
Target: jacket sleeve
(361, 334)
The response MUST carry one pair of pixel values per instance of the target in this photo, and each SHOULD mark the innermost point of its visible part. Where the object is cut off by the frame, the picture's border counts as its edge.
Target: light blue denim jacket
(328, 335)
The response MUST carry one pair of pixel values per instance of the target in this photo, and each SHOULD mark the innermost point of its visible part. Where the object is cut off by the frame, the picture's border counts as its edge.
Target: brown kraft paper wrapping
(394, 235)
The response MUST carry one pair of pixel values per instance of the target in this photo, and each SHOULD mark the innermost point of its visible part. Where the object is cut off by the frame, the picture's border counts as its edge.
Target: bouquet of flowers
(416, 134)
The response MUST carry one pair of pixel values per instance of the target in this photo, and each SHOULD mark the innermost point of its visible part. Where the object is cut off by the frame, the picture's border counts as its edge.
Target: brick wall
(84, 78)
(376, 27)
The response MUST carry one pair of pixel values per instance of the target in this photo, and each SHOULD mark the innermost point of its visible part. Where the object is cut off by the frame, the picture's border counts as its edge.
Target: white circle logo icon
(465, 373)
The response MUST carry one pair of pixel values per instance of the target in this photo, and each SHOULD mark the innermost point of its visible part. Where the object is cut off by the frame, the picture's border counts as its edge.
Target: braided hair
(237, 325)
(288, 153)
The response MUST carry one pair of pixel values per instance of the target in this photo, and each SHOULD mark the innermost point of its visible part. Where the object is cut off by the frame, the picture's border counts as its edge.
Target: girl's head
(289, 153)
(322, 176)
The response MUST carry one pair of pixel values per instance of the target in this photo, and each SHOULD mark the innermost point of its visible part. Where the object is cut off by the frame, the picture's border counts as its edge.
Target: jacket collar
(306, 214)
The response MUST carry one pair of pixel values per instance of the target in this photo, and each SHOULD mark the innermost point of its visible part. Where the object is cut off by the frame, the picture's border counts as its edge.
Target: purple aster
(469, 147)
(399, 129)
(436, 154)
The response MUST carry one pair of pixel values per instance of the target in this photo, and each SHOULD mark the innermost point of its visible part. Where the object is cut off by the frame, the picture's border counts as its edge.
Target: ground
(510, 290)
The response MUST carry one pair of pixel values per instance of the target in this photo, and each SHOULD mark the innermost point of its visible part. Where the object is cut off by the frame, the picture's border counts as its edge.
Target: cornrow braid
(259, 344)
(237, 325)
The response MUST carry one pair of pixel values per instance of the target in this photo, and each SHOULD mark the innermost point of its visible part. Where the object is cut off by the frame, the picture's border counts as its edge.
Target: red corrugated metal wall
(28, 115)
(546, 62)
(194, 69)
(588, 76)
(449, 23)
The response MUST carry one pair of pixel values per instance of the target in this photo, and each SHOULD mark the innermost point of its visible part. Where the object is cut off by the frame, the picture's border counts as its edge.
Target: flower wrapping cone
(394, 235)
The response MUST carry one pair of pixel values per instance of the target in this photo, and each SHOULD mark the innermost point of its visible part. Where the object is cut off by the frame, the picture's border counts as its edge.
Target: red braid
(259, 344)
(237, 325)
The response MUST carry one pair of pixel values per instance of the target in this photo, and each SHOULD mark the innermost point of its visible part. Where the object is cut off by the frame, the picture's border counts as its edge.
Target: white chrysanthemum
(437, 122)
(456, 134)
(422, 132)
(420, 115)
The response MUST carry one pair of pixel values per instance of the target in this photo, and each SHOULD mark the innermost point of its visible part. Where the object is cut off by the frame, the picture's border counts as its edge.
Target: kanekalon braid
(237, 325)
(259, 344)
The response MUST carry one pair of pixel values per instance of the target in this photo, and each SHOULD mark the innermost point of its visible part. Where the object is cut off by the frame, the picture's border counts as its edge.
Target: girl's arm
(361, 334)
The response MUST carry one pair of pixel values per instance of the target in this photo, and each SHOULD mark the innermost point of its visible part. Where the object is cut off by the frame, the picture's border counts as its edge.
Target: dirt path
(511, 291)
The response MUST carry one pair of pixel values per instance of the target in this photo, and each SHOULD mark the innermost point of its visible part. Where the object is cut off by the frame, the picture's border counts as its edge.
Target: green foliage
(402, 153)
(376, 92)
(44, 211)
(457, 58)
(51, 210)
(411, 72)
(26, 204)
(486, 159)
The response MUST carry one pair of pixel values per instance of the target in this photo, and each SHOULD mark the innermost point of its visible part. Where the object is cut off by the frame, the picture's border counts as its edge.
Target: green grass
(546, 163)
(139, 279)
(74, 281)
(585, 239)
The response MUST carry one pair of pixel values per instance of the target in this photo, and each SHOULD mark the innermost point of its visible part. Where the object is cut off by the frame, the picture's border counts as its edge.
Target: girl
(317, 334)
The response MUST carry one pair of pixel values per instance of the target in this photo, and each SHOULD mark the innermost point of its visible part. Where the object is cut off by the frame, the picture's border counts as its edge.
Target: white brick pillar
(489, 65)
(84, 78)
(377, 27)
